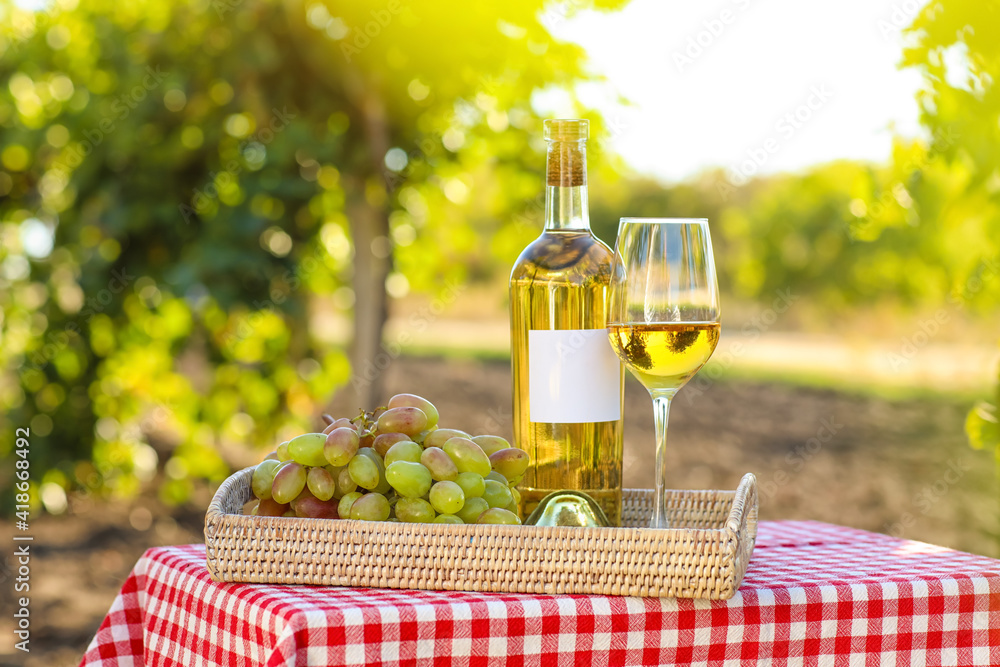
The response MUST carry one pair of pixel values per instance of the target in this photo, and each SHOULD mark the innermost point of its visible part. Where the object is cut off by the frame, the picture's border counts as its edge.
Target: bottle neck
(566, 205)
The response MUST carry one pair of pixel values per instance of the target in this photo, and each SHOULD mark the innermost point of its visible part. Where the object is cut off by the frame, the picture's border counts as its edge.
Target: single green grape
(320, 482)
(439, 436)
(307, 449)
(404, 450)
(345, 484)
(383, 485)
(263, 477)
(497, 477)
(364, 471)
(370, 507)
(410, 480)
(439, 463)
(467, 455)
(345, 504)
(490, 443)
(447, 497)
(447, 518)
(408, 420)
(282, 452)
(497, 494)
(343, 422)
(288, 483)
(414, 401)
(497, 515)
(472, 483)
(341, 444)
(472, 509)
(511, 463)
(414, 510)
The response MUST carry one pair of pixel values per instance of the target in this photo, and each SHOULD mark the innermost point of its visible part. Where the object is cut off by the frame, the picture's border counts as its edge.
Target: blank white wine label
(574, 377)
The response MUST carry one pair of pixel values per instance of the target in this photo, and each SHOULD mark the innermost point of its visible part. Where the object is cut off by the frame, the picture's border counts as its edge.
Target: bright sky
(718, 103)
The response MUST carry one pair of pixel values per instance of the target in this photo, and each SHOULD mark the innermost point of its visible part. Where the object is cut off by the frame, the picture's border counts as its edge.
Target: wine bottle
(567, 381)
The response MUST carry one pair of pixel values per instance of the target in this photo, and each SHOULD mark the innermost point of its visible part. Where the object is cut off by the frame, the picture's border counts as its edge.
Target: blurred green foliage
(847, 236)
(957, 50)
(792, 231)
(175, 187)
(181, 184)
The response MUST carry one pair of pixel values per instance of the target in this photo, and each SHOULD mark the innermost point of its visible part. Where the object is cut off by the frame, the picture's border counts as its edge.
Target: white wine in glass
(663, 314)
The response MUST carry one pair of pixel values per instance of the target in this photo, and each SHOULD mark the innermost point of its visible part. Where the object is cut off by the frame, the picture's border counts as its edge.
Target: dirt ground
(897, 467)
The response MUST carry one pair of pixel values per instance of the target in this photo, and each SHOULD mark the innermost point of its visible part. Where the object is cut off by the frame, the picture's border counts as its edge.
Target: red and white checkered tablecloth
(815, 594)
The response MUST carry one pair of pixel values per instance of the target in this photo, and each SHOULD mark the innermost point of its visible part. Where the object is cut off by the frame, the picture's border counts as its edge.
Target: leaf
(983, 428)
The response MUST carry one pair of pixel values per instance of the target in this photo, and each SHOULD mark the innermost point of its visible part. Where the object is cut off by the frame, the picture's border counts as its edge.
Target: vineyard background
(220, 219)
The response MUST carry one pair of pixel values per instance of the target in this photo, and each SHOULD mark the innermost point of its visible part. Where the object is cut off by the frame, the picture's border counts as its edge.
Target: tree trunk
(369, 360)
(369, 222)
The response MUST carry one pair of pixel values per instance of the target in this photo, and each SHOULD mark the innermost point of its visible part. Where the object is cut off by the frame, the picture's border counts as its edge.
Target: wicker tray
(705, 556)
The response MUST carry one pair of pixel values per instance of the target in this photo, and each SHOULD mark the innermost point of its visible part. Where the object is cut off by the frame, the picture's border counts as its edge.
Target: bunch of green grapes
(393, 464)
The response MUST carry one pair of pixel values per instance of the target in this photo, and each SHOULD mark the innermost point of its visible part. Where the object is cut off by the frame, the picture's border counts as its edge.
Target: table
(814, 594)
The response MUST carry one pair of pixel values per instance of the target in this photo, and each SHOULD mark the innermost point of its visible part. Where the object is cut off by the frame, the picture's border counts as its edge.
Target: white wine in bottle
(568, 382)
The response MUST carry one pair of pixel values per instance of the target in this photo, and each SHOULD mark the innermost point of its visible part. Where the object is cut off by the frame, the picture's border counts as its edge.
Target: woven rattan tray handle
(230, 498)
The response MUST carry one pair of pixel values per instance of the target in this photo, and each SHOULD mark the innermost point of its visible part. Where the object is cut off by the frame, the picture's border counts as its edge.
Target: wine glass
(663, 314)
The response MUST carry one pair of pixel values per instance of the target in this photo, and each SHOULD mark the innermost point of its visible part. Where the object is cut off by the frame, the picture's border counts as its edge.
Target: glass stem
(661, 413)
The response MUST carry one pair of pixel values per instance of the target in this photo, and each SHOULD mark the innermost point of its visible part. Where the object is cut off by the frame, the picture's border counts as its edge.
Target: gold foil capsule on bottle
(568, 508)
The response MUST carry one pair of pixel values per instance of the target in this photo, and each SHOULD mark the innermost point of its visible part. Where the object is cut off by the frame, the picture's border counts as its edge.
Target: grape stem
(365, 419)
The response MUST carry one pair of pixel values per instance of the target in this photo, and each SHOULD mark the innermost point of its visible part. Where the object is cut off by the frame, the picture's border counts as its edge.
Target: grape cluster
(393, 464)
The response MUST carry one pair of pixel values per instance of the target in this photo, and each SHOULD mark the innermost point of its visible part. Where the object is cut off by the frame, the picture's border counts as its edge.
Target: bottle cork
(566, 129)
(566, 164)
